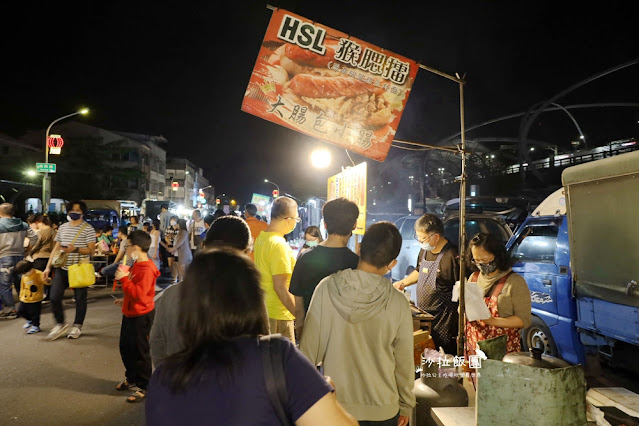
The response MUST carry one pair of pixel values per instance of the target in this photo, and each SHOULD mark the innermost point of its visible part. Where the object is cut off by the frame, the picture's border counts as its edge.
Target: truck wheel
(538, 335)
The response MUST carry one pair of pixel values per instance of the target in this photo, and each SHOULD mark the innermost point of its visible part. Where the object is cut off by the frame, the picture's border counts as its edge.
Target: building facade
(96, 163)
(186, 185)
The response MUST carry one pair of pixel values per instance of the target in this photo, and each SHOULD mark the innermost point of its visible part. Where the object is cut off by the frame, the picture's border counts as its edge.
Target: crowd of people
(322, 337)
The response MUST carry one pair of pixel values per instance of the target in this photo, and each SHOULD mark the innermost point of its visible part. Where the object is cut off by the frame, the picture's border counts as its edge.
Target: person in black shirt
(330, 256)
(436, 272)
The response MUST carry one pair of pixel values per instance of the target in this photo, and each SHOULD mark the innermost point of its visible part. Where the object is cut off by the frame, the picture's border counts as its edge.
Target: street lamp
(46, 180)
(276, 185)
(320, 159)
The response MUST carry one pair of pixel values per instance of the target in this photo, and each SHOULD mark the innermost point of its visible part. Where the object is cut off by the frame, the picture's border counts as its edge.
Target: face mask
(426, 247)
(489, 268)
(135, 256)
(173, 223)
(74, 216)
(311, 243)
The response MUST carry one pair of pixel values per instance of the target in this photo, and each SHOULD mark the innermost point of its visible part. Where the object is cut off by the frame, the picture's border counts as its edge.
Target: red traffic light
(276, 193)
(175, 185)
(217, 201)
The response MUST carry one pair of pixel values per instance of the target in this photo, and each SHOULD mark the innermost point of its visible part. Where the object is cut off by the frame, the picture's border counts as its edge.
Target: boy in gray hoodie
(13, 231)
(369, 327)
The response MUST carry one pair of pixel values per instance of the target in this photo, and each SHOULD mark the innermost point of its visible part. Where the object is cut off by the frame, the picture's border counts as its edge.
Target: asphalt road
(72, 382)
(66, 382)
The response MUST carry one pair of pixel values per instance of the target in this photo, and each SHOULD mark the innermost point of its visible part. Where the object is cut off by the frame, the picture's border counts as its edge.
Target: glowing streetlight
(30, 173)
(271, 182)
(46, 180)
(320, 159)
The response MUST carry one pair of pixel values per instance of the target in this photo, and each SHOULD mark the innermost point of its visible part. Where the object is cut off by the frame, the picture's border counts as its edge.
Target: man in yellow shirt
(275, 261)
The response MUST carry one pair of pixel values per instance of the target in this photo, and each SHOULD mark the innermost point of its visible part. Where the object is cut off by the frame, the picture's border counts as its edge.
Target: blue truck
(578, 254)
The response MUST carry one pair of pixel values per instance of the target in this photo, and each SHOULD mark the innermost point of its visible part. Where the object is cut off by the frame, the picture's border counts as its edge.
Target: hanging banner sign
(321, 82)
(351, 184)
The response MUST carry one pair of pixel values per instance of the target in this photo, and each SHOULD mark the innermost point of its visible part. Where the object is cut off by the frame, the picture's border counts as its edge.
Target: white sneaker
(57, 331)
(158, 288)
(74, 333)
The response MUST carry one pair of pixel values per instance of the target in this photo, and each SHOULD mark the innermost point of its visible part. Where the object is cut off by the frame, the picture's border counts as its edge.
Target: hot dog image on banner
(321, 82)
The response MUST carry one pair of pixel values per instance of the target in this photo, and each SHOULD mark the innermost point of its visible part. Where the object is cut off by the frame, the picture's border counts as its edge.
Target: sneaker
(57, 331)
(27, 325)
(74, 333)
(8, 315)
(34, 329)
(158, 288)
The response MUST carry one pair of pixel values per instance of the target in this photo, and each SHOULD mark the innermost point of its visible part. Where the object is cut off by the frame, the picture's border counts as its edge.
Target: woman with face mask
(505, 293)
(312, 237)
(76, 238)
(436, 271)
(169, 237)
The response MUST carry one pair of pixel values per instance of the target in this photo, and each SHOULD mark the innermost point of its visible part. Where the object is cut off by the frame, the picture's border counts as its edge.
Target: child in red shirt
(138, 305)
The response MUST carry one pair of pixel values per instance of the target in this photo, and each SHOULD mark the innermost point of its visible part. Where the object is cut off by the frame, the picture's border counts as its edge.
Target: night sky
(181, 70)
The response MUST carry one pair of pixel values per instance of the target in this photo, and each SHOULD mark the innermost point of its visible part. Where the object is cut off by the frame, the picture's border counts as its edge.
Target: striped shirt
(66, 234)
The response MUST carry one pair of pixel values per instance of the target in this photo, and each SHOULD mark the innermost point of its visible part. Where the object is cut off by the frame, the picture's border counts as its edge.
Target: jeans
(109, 271)
(41, 264)
(59, 284)
(135, 349)
(31, 312)
(8, 278)
(389, 422)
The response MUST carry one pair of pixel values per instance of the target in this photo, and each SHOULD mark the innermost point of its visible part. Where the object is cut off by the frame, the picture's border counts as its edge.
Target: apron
(477, 330)
(444, 326)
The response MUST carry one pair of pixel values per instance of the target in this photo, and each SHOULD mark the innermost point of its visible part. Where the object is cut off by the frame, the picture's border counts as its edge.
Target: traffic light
(217, 201)
(276, 193)
(175, 186)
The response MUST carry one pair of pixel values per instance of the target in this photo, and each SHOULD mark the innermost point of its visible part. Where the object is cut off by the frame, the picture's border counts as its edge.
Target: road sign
(45, 167)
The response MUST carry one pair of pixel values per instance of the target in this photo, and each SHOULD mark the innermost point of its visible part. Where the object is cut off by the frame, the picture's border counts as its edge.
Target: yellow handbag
(81, 275)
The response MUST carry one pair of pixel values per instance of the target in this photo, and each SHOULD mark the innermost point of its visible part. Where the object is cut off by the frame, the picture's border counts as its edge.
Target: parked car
(475, 223)
(514, 210)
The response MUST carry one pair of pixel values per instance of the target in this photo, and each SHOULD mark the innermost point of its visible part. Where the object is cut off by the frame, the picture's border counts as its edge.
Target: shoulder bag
(61, 259)
(272, 348)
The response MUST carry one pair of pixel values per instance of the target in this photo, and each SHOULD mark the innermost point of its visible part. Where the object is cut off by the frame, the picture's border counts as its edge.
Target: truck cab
(577, 253)
(541, 251)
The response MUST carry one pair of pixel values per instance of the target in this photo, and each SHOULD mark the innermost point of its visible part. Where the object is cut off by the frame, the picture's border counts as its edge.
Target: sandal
(125, 385)
(138, 396)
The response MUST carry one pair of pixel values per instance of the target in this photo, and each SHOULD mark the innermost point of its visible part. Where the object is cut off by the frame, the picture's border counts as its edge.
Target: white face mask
(173, 223)
(426, 247)
(135, 256)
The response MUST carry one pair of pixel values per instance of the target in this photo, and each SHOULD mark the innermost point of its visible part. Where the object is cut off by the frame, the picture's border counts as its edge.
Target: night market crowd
(250, 333)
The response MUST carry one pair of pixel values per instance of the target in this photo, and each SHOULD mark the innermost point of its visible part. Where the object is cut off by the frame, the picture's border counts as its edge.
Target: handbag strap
(78, 233)
(272, 348)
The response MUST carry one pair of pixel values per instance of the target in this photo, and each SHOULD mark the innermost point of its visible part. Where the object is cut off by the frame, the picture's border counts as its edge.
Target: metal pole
(46, 180)
(462, 230)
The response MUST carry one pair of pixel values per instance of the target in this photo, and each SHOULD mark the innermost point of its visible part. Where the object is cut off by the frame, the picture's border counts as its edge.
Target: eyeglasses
(425, 239)
(485, 263)
(296, 219)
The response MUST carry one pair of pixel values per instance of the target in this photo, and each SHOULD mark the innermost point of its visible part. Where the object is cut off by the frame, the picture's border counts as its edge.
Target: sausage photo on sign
(343, 99)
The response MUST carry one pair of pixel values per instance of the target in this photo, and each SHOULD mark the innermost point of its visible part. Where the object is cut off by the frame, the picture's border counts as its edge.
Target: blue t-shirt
(244, 401)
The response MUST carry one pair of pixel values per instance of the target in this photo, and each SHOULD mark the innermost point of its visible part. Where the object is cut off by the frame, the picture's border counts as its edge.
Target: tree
(88, 168)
